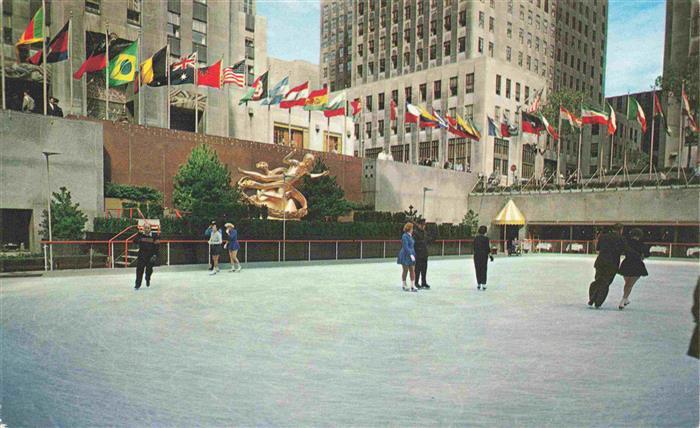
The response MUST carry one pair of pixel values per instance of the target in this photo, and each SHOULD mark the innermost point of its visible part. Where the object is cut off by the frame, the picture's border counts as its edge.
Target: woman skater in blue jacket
(407, 257)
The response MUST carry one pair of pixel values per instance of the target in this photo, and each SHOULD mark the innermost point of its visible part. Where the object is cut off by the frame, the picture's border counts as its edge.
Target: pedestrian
(482, 254)
(53, 108)
(610, 247)
(407, 257)
(207, 234)
(693, 348)
(27, 102)
(215, 241)
(147, 241)
(233, 246)
(632, 267)
(420, 235)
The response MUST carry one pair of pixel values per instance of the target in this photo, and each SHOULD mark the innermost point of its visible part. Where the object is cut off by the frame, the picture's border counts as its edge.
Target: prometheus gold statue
(275, 188)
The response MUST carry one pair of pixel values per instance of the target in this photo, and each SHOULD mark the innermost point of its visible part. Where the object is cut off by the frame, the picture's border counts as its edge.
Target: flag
(412, 114)
(235, 74)
(122, 68)
(185, 62)
(535, 103)
(154, 69)
(550, 129)
(182, 71)
(95, 62)
(505, 130)
(612, 121)
(686, 106)
(591, 116)
(392, 110)
(260, 87)
(454, 128)
(34, 33)
(317, 99)
(336, 107)
(210, 76)
(493, 128)
(570, 117)
(277, 93)
(356, 105)
(660, 112)
(441, 121)
(426, 120)
(469, 127)
(57, 50)
(531, 124)
(635, 111)
(296, 97)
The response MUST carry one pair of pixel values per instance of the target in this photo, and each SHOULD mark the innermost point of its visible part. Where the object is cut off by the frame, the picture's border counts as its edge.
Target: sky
(635, 38)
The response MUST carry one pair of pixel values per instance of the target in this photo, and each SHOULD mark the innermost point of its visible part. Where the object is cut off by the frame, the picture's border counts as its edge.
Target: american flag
(535, 102)
(235, 74)
(185, 62)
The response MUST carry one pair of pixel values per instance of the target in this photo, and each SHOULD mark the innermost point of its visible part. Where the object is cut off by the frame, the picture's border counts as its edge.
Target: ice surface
(342, 345)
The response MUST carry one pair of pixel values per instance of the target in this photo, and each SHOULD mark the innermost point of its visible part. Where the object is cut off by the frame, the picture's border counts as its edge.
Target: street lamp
(48, 154)
(284, 217)
(425, 189)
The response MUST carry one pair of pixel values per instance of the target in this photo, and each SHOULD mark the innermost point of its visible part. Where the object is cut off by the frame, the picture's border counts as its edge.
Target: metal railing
(90, 254)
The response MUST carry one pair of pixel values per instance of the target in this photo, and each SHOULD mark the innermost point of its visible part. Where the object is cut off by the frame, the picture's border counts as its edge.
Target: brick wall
(143, 156)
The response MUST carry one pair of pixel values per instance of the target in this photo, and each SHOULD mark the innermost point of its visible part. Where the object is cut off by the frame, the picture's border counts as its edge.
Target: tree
(471, 219)
(203, 179)
(570, 100)
(326, 199)
(674, 77)
(67, 220)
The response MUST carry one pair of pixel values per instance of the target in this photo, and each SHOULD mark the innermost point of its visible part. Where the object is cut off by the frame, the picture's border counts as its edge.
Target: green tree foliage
(570, 100)
(471, 219)
(203, 181)
(325, 197)
(132, 193)
(673, 78)
(67, 220)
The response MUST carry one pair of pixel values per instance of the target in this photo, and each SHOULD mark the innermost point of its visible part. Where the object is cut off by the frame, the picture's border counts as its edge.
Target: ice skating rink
(342, 345)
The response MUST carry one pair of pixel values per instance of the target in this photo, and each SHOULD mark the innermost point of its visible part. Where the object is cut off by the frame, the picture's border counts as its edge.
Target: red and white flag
(412, 114)
(356, 105)
(535, 103)
(235, 74)
(550, 129)
(296, 97)
(392, 110)
(570, 117)
(612, 121)
(686, 106)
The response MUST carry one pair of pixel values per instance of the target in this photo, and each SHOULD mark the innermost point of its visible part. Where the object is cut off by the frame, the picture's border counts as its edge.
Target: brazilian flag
(122, 68)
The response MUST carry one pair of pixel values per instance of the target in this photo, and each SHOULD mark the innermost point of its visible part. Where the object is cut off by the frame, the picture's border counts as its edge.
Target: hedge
(133, 193)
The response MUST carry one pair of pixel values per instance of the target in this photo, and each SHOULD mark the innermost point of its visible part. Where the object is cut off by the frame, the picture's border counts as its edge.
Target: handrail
(110, 243)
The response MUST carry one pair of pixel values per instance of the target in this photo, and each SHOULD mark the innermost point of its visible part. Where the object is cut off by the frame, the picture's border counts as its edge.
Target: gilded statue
(276, 188)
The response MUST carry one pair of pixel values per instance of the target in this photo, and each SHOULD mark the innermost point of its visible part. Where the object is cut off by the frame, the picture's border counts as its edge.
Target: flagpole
(167, 72)
(578, 157)
(345, 127)
(2, 53)
(328, 130)
(612, 146)
(559, 147)
(44, 34)
(289, 126)
(83, 81)
(70, 58)
(680, 132)
(107, 71)
(139, 57)
(653, 119)
(196, 95)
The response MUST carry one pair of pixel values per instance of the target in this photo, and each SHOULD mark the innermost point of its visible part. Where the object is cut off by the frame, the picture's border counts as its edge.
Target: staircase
(128, 259)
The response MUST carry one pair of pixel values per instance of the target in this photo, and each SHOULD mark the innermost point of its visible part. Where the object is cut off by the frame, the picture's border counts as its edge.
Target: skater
(482, 254)
(632, 267)
(421, 247)
(215, 241)
(233, 246)
(207, 234)
(407, 257)
(610, 247)
(148, 255)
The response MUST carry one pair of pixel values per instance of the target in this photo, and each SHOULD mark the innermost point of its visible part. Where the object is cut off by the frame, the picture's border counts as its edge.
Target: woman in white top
(215, 241)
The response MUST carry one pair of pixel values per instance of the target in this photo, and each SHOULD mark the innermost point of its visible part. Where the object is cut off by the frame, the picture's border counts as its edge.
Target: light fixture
(318, 128)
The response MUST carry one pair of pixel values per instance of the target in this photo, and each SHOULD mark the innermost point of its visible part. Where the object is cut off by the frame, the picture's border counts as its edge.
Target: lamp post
(284, 217)
(425, 190)
(48, 154)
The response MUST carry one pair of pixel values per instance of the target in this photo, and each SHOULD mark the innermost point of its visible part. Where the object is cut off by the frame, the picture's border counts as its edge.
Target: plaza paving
(342, 345)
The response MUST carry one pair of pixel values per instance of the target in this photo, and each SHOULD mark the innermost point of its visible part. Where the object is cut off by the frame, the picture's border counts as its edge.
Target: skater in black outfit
(421, 246)
(482, 254)
(632, 267)
(610, 247)
(148, 255)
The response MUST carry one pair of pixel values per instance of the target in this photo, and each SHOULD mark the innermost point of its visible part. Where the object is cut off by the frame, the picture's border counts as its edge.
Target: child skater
(215, 241)
(407, 257)
(632, 267)
(482, 253)
(233, 246)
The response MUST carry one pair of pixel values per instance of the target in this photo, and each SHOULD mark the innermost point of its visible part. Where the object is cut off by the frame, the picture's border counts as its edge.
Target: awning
(509, 215)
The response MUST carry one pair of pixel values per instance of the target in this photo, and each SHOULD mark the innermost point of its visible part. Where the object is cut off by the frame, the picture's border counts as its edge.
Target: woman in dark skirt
(632, 267)
(482, 254)
(407, 257)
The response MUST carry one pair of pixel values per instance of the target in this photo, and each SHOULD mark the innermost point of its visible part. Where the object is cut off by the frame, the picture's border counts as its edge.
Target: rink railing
(93, 254)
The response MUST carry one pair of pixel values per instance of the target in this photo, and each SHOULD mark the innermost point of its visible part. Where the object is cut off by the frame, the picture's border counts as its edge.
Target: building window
(462, 18)
(500, 156)
(459, 153)
(480, 47)
(133, 12)
(368, 129)
(594, 150)
(507, 88)
(380, 128)
(469, 84)
(173, 25)
(382, 65)
(433, 27)
(380, 101)
(517, 92)
(498, 84)
(446, 46)
(462, 44)
(408, 94)
(509, 30)
(491, 49)
(368, 102)
(448, 23)
(372, 153)
(481, 19)
(249, 49)
(492, 24)
(433, 51)
(509, 54)
(437, 89)
(469, 111)
(453, 86)
(92, 6)
(528, 169)
(422, 91)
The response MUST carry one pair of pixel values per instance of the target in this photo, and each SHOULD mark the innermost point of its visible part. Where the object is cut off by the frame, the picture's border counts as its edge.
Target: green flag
(122, 68)
(248, 96)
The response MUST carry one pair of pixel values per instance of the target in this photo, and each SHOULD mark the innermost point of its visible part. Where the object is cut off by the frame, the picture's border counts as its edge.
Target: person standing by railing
(482, 254)
(632, 267)
(407, 257)
(233, 246)
(610, 247)
(215, 241)
(207, 234)
(147, 241)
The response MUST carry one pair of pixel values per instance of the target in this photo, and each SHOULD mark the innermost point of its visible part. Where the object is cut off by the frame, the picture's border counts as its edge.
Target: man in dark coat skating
(610, 247)
(148, 255)
(421, 246)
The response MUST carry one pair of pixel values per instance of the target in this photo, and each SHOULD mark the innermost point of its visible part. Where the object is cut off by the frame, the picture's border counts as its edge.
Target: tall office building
(681, 52)
(479, 59)
(336, 44)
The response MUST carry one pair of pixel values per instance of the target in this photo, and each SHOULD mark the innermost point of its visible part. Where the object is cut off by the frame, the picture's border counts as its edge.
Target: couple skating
(611, 246)
(413, 256)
